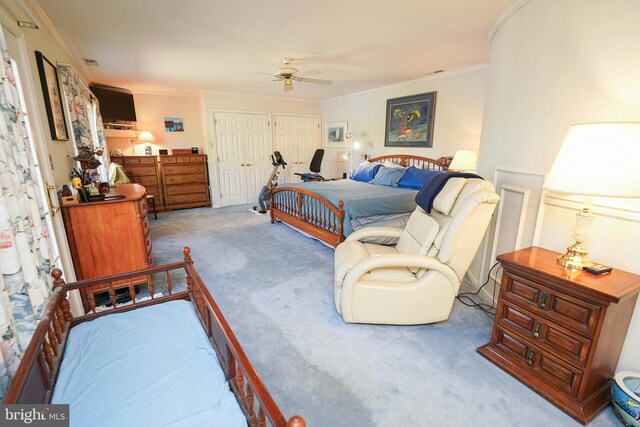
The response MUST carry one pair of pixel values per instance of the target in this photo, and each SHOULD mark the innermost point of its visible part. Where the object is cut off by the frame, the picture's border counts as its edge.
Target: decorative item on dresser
(145, 171)
(111, 236)
(185, 181)
(560, 330)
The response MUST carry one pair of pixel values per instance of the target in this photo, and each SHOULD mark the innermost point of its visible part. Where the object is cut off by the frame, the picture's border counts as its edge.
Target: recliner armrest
(366, 232)
(400, 260)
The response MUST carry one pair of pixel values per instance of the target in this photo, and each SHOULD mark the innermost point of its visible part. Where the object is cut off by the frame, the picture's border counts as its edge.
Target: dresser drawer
(553, 338)
(187, 198)
(183, 169)
(577, 315)
(140, 171)
(186, 188)
(183, 159)
(145, 225)
(197, 159)
(147, 181)
(142, 207)
(148, 160)
(541, 364)
(165, 160)
(131, 160)
(184, 179)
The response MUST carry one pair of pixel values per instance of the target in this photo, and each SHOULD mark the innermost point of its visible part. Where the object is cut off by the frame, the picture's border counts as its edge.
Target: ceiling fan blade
(288, 88)
(309, 73)
(261, 83)
(266, 74)
(315, 81)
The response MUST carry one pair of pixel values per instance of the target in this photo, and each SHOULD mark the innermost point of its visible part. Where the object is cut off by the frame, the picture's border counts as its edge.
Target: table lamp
(596, 159)
(464, 161)
(146, 137)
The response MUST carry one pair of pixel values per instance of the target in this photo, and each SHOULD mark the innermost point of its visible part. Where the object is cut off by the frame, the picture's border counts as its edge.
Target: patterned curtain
(78, 97)
(25, 256)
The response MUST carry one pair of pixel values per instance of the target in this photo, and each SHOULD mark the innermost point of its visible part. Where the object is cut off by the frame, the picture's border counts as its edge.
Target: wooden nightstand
(560, 331)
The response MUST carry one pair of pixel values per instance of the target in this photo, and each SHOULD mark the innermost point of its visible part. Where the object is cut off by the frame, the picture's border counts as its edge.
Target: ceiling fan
(289, 74)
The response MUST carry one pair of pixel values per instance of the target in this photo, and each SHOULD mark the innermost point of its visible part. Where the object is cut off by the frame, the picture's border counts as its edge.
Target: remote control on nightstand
(598, 269)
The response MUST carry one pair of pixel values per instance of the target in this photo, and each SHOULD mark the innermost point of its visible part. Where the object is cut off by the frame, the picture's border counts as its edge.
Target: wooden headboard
(407, 160)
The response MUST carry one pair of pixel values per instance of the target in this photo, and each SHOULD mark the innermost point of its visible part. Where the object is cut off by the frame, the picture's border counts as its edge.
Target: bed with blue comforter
(331, 210)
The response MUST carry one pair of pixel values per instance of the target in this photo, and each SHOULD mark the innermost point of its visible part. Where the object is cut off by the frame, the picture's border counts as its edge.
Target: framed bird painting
(410, 121)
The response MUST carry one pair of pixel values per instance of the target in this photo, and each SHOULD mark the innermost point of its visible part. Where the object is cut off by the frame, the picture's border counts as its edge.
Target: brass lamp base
(576, 257)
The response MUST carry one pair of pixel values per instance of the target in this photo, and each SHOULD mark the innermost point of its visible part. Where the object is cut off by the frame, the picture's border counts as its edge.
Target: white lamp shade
(146, 136)
(598, 159)
(464, 160)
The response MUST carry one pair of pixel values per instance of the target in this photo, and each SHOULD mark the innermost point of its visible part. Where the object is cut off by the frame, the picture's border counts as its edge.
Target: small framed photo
(174, 124)
(52, 98)
(336, 134)
(410, 121)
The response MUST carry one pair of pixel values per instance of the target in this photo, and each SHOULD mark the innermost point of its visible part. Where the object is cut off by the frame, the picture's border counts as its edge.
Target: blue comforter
(152, 366)
(361, 199)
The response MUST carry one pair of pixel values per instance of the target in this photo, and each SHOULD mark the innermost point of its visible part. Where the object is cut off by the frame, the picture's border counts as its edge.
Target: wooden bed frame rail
(36, 376)
(312, 214)
(308, 212)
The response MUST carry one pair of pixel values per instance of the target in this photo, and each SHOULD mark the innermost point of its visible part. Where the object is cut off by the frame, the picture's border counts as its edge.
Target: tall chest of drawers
(185, 181)
(561, 331)
(145, 172)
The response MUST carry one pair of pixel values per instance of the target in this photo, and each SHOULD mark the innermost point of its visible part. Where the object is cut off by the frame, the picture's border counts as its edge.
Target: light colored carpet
(275, 287)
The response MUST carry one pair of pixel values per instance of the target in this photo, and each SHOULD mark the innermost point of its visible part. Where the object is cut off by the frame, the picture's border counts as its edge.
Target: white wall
(151, 110)
(457, 123)
(554, 63)
(213, 101)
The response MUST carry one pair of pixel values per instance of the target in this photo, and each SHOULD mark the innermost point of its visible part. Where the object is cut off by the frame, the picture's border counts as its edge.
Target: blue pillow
(416, 178)
(366, 171)
(388, 176)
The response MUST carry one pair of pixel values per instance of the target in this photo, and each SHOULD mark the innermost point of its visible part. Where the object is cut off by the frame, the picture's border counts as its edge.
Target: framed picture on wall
(336, 134)
(410, 121)
(52, 98)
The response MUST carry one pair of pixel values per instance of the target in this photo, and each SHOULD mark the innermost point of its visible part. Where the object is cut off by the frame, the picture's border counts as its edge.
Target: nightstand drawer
(553, 338)
(577, 315)
(541, 364)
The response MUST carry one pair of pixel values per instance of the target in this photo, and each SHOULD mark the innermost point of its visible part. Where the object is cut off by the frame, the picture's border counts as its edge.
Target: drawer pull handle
(531, 355)
(536, 329)
(544, 299)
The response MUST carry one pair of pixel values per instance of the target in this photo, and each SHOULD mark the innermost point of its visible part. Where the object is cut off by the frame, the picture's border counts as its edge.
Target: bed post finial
(187, 257)
(56, 273)
(58, 282)
(296, 421)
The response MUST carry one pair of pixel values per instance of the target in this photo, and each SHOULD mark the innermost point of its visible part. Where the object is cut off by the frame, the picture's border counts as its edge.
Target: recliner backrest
(462, 211)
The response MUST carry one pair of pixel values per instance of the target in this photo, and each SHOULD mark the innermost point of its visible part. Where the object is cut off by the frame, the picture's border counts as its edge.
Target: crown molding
(248, 95)
(419, 79)
(515, 6)
(46, 22)
(187, 94)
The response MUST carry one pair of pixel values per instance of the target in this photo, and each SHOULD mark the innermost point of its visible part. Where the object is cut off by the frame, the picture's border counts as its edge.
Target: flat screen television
(116, 104)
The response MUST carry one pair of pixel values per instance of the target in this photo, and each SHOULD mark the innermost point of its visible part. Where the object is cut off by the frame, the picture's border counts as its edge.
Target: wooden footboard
(308, 212)
(36, 376)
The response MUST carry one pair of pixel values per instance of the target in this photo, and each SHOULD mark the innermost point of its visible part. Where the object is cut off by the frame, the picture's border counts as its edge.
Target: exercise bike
(272, 182)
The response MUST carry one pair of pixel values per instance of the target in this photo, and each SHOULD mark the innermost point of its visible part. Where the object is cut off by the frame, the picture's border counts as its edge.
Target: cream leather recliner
(417, 280)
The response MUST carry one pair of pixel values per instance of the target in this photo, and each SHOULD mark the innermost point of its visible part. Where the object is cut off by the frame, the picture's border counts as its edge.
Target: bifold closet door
(243, 148)
(297, 138)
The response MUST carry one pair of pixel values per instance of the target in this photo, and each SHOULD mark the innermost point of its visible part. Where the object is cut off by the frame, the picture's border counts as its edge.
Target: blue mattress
(361, 199)
(147, 367)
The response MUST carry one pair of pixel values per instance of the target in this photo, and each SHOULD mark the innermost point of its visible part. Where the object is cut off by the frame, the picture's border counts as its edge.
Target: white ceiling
(222, 45)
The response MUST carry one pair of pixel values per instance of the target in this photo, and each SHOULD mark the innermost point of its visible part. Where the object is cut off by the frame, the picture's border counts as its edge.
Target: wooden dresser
(560, 331)
(184, 181)
(111, 236)
(145, 172)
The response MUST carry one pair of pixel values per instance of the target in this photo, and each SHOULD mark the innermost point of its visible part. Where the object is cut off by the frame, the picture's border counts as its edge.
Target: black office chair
(314, 167)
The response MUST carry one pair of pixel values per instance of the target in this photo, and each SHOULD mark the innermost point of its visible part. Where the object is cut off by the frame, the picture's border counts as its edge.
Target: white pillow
(388, 164)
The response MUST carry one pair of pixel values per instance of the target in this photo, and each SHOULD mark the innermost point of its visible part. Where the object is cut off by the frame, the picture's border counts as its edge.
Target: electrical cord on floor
(466, 297)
